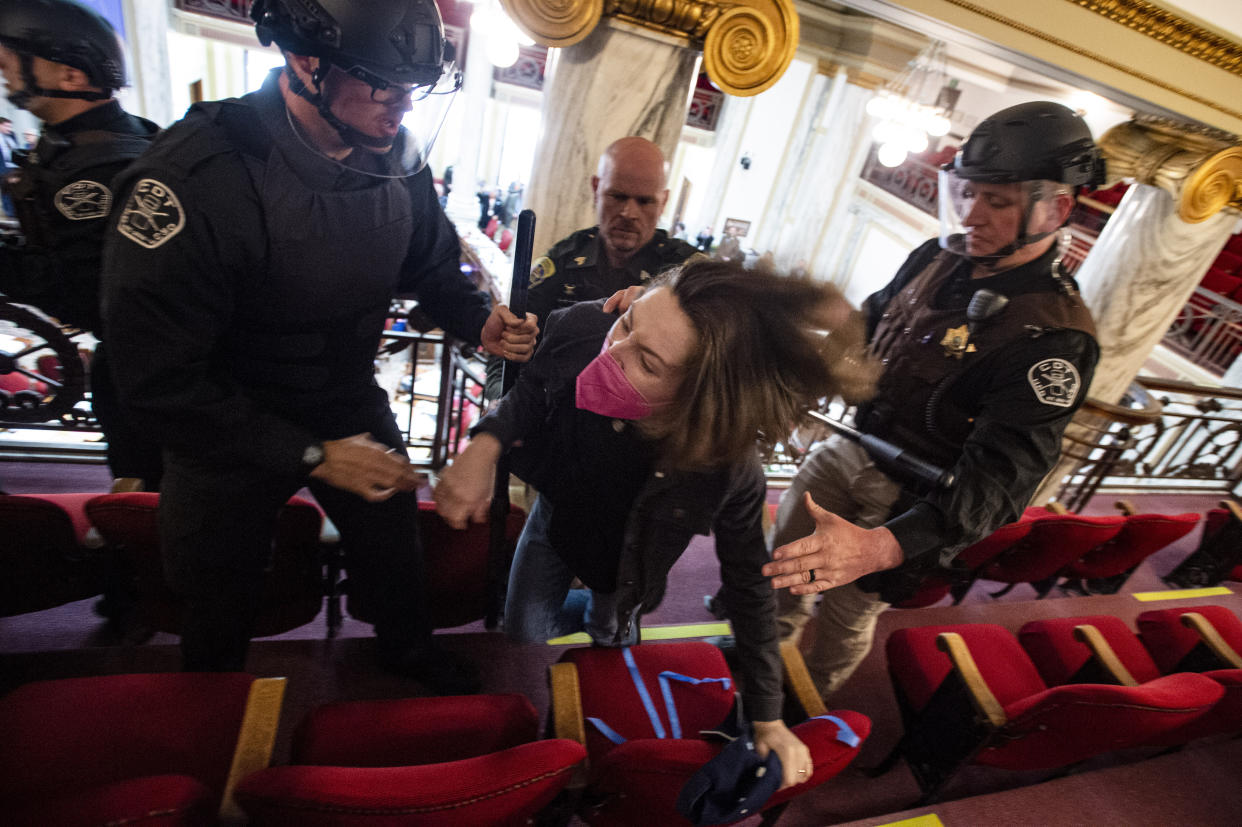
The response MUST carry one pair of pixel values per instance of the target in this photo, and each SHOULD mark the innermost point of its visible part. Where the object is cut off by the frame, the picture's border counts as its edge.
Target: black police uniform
(246, 282)
(62, 195)
(988, 400)
(576, 269)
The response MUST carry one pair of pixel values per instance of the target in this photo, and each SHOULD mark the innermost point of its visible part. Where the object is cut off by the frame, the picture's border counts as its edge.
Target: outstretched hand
(509, 337)
(838, 552)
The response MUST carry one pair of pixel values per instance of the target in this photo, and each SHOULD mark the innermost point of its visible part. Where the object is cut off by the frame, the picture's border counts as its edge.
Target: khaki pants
(842, 479)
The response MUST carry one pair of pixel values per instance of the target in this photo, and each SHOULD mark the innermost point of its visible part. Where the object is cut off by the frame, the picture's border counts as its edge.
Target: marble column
(620, 80)
(1139, 274)
(730, 128)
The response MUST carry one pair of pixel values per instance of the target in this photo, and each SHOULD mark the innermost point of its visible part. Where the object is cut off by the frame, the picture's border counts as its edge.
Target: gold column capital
(1199, 166)
(747, 44)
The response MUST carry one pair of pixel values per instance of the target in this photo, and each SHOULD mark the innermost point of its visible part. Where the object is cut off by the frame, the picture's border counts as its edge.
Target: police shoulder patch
(1055, 382)
(83, 200)
(542, 271)
(152, 215)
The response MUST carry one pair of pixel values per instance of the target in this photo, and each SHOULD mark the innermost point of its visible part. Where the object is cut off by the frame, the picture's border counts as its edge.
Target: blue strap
(845, 735)
(674, 722)
(642, 692)
(607, 731)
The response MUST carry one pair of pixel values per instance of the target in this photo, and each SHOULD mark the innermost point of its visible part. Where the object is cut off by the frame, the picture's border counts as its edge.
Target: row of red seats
(176, 749)
(1062, 691)
(1047, 547)
(60, 548)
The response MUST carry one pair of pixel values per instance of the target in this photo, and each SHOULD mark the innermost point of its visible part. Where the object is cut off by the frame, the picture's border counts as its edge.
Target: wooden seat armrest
(1125, 507)
(567, 719)
(985, 703)
(1235, 510)
(1104, 654)
(1056, 508)
(1212, 639)
(798, 679)
(255, 741)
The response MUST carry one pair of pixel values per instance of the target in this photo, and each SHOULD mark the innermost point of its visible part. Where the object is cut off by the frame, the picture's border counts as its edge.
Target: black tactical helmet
(380, 42)
(1034, 141)
(65, 32)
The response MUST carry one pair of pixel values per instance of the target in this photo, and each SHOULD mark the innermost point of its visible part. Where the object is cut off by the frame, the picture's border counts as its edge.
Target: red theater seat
(48, 554)
(967, 565)
(1102, 649)
(133, 749)
(970, 695)
(1052, 543)
(1116, 558)
(1196, 638)
(414, 761)
(294, 589)
(457, 566)
(638, 781)
(1220, 281)
(1219, 553)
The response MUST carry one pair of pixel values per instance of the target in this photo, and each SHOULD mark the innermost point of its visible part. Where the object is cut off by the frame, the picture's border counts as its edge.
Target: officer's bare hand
(509, 337)
(464, 490)
(621, 300)
(838, 552)
(365, 467)
(795, 758)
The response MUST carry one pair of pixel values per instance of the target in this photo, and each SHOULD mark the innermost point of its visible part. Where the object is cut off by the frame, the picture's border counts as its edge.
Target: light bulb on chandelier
(905, 120)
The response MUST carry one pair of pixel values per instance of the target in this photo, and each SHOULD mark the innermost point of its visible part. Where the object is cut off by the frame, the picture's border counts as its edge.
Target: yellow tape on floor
(674, 632)
(1182, 594)
(929, 820)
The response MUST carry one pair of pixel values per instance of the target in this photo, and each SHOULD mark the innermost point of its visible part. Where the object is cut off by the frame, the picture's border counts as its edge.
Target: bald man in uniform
(623, 250)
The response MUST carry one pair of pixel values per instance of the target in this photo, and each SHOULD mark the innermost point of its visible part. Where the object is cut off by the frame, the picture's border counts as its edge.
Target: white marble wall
(618, 81)
(1137, 277)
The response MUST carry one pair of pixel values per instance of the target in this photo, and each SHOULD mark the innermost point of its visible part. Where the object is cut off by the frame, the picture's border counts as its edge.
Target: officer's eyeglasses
(395, 94)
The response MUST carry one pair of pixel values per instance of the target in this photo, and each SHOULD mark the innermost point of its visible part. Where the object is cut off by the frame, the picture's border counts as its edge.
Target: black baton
(890, 454)
(498, 522)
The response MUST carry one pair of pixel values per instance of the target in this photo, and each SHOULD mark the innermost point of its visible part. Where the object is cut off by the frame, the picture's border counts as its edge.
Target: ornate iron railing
(1166, 436)
(1207, 331)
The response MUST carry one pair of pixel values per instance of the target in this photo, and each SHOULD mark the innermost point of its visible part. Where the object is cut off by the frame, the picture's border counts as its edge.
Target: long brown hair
(770, 347)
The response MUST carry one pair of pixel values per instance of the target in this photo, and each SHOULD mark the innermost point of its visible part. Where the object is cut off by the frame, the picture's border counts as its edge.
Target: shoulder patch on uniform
(542, 271)
(1055, 382)
(83, 200)
(152, 215)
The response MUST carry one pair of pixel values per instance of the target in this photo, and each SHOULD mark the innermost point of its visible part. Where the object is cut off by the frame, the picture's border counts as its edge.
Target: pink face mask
(603, 389)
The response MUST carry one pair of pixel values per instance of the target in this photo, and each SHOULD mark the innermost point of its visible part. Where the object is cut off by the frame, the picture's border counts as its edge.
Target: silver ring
(802, 772)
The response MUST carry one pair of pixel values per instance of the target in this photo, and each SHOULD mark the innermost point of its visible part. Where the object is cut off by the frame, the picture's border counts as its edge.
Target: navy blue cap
(734, 784)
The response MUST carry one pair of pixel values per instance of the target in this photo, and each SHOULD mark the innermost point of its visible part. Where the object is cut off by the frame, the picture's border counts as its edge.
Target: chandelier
(912, 106)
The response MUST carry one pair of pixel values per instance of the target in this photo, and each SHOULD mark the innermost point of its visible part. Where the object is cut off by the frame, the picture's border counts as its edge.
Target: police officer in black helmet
(255, 251)
(62, 62)
(988, 352)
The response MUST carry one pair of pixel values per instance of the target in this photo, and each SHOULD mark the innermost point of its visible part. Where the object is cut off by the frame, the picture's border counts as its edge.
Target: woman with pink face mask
(640, 432)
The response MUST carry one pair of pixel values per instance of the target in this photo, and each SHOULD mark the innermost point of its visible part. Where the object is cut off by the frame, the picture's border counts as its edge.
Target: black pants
(217, 524)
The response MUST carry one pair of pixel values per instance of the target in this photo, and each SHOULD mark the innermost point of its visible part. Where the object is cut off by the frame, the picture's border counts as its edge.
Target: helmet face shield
(391, 128)
(984, 220)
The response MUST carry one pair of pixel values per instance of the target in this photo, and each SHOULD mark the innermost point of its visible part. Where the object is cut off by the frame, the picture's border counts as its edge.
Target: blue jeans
(540, 605)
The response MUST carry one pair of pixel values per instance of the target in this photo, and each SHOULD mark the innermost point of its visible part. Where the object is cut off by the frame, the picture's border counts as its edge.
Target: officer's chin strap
(990, 261)
(33, 90)
(351, 137)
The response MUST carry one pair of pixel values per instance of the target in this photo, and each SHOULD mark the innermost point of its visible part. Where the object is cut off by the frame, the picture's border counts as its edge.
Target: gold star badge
(955, 342)
(579, 259)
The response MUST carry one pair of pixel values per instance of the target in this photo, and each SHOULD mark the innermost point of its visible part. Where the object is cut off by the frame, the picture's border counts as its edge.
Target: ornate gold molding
(747, 44)
(1166, 27)
(1201, 168)
(986, 12)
